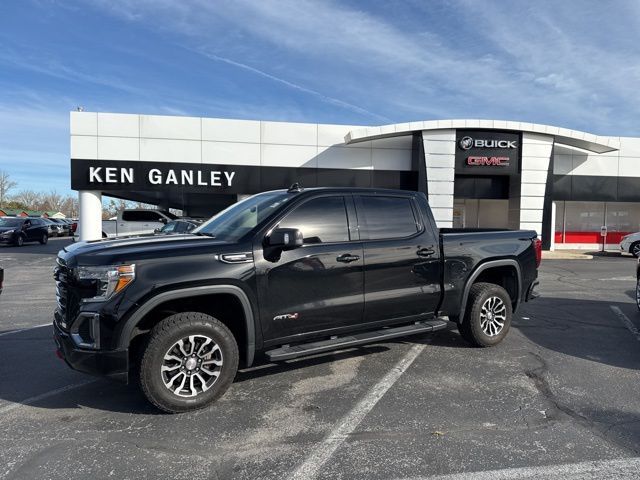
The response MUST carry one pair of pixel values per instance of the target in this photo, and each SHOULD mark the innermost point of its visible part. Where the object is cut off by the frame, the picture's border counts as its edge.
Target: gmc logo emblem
(488, 161)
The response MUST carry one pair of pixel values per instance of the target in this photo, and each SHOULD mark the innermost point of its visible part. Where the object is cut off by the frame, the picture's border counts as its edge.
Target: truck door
(401, 258)
(318, 286)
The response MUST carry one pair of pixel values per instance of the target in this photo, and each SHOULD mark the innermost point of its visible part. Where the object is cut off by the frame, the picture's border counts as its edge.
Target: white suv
(631, 244)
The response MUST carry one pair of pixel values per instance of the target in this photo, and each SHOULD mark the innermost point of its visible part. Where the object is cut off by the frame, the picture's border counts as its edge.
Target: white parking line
(312, 464)
(13, 405)
(25, 329)
(627, 323)
(620, 468)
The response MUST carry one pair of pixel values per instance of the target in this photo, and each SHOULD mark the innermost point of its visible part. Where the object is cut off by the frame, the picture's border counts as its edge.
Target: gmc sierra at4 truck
(282, 274)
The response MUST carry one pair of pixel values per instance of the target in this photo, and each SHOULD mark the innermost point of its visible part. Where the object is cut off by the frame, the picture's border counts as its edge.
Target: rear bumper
(113, 364)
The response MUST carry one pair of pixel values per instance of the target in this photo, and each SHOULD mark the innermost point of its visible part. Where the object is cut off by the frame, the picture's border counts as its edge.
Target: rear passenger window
(386, 217)
(321, 220)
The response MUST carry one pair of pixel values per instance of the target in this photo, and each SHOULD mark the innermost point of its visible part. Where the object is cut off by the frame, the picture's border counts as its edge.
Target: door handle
(347, 258)
(425, 252)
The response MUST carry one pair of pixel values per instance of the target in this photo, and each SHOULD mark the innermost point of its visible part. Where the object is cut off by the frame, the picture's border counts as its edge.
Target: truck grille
(68, 303)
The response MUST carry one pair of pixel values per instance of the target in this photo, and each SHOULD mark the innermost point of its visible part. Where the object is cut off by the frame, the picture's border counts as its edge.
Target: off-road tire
(471, 326)
(167, 333)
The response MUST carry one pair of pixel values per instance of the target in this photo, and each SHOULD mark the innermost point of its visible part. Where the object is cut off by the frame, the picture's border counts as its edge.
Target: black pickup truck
(282, 274)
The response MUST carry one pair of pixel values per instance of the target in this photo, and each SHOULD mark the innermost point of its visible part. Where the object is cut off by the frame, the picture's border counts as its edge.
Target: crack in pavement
(537, 376)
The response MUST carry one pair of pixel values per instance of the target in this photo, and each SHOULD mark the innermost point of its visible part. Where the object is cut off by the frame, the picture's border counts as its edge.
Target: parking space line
(619, 468)
(627, 322)
(25, 329)
(312, 464)
(13, 405)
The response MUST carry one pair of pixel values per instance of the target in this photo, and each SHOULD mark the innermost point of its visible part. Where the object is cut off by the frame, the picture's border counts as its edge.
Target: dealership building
(576, 189)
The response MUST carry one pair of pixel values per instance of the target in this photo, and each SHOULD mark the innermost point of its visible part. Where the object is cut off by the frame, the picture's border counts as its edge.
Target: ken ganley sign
(120, 175)
(487, 152)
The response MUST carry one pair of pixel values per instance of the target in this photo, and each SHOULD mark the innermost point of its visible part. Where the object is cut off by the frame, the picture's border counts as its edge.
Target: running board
(287, 352)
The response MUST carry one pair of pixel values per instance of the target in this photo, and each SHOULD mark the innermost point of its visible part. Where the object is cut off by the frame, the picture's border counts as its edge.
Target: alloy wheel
(635, 250)
(493, 314)
(191, 366)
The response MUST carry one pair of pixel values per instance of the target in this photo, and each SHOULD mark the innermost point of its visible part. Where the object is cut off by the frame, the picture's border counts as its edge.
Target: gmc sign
(487, 152)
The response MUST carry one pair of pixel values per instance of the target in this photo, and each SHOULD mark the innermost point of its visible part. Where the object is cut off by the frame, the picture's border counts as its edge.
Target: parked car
(19, 230)
(64, 229)
(283, 274)
(53, 229)
(132, 222)
(176, 227)
(631, 244)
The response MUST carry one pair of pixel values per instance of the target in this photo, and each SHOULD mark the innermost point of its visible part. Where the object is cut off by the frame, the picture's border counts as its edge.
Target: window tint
(321, 220)
(386, 217)
(37, 222)
(140, 216)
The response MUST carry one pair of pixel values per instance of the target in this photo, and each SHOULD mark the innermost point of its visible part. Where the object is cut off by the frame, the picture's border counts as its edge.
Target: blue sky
(569, 63)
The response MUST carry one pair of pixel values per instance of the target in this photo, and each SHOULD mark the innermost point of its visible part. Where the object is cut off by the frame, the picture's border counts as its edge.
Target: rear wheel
(487, 317)
(44, 239)
(189, 362)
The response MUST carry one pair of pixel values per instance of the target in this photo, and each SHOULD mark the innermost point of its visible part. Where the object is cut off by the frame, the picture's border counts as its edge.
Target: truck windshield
(238, 219)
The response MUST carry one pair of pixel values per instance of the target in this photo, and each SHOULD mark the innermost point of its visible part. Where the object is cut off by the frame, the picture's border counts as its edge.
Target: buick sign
(487, 152)
(467, 143)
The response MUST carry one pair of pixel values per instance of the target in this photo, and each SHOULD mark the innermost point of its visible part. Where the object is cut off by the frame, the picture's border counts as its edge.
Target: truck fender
(149, 305)
(507, 262)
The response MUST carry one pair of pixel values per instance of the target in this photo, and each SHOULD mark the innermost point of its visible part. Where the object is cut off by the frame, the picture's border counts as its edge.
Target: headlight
(109, 280)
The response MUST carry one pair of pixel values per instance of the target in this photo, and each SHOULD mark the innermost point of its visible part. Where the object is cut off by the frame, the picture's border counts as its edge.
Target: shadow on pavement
(585, 329)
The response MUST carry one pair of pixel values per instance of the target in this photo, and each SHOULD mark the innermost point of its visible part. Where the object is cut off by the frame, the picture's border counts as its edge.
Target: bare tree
(52, 201)
(6, 184)
(29, 198)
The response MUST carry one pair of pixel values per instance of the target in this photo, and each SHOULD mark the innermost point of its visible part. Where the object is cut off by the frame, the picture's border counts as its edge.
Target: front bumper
(113, 364)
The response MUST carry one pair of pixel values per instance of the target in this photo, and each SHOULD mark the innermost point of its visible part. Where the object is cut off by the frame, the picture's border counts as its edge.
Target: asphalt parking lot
(559, 397)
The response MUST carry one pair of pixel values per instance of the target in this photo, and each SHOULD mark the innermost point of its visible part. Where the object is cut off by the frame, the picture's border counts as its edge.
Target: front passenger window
(321, 220)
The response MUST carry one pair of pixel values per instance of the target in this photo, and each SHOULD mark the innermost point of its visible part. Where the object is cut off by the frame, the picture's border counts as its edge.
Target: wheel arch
(485, 270)
(128, 330)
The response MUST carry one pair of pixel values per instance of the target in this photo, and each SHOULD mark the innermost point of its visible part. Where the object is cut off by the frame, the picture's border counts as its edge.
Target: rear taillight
(537, 246)
(74, 227)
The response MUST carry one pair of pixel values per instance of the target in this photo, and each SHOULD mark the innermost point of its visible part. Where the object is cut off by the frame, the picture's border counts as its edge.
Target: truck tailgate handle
(347, 258)
(425, 252)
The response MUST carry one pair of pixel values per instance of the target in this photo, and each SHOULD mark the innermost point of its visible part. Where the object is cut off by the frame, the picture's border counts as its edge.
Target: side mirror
(285, 238)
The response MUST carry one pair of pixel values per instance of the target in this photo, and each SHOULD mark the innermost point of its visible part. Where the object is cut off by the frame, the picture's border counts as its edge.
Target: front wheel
(19, 241)
(189, 362)
(487, 317)
(44, 239)
(634, 249)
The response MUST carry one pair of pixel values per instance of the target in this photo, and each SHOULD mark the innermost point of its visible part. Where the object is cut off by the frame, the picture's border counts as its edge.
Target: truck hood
(114, 251)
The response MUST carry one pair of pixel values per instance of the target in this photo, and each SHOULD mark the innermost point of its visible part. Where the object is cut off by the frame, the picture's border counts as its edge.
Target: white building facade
(565, 184)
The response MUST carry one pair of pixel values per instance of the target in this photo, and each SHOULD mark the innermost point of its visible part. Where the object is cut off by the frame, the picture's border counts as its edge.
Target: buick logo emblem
(466, 143)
